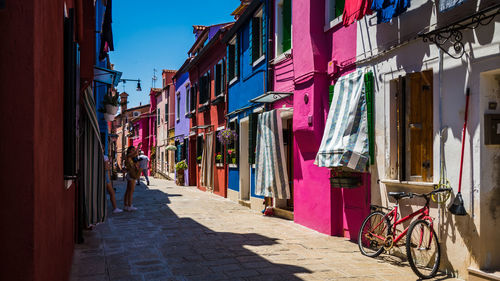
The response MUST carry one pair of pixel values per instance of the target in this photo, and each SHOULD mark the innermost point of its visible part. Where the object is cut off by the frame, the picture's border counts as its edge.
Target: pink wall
(317, 206)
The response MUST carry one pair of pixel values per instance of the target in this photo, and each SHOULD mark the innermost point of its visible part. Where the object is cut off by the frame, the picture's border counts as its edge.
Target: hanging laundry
(445, 5)
(355, 10)
(387, 9)
(345, 140)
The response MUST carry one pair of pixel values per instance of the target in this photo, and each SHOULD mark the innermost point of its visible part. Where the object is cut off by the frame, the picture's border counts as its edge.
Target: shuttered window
(414, 126)
(369, 112)
(204, 88)
(184, 149)
(335, 9)
(252, 137)
(233, 59)
(188, 98)
(256, 34)
(192, 99)
(219, 150)
(199, 147)
(219, 78)
(287, 25)
(233, 147)
(178, 105)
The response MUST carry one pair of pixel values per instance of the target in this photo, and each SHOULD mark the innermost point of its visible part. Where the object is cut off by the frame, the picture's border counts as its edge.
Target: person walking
(143, 165)
(109, 186)
(133, 173)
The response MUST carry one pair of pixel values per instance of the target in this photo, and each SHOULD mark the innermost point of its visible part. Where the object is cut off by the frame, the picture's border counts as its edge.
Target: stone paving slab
(181, 233)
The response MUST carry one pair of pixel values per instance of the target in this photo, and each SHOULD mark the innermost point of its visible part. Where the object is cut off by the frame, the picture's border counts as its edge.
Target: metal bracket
(452, 33)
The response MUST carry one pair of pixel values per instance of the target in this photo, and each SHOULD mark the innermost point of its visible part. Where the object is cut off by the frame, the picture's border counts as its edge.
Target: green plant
(218, 158)
(181, 166)
(111, 100)
(198, 159)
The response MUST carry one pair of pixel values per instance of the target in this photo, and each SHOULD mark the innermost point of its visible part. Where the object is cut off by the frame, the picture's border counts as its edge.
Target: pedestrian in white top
(143, 165)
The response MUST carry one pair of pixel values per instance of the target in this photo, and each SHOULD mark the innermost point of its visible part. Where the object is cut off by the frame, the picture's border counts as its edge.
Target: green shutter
(330, 95)
(287, 25)
(339, 7)
(369, 110)
(252, 137)
(254, 38)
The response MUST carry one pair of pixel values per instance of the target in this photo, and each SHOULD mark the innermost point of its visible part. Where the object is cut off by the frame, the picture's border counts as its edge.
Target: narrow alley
(181, 233)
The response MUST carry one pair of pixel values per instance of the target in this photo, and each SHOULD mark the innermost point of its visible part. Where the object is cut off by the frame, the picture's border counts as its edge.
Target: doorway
(192, 165)
(287, 121)
(244, 166)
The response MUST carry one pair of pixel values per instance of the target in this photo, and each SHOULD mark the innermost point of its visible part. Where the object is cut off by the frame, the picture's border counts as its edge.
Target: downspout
(270, 46)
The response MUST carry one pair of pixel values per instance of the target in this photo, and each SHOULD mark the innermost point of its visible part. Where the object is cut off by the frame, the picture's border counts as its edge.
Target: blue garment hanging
(387, 9)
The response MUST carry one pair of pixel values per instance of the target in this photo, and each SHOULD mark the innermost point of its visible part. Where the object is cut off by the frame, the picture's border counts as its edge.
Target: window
(283, 34)
(205, 88)
(257, 37)
(219, 78)
(192, 99)
(188, 96)
(233, 59)
(164, 83)
(166, 113)
(233, 147)
(158, 117)
(199, 148)
(184, 149)
(219, 150)
(412, 134)
(334, 9)
(178, 106)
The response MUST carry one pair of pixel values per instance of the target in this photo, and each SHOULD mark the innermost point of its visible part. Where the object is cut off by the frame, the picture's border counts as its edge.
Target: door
(192, 166)
(244, 166)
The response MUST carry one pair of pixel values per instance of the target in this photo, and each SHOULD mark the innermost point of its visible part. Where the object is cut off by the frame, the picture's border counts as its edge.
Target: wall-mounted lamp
(136, 80)
(306, 98)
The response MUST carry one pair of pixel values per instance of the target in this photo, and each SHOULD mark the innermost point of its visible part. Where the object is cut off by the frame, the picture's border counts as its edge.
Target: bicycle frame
(423, 213)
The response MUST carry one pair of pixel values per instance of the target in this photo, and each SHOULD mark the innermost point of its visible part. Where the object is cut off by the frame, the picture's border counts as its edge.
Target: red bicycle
(378, 232)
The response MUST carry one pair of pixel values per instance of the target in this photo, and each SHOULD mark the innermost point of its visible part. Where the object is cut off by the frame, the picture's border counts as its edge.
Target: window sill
(259, 60)
(233, 81)
(220, 165)
(282, 57)
(233, 166)
(333, 23)
(407, 183)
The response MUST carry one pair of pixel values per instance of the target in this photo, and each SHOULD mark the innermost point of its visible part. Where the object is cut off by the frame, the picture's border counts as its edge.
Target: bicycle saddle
(397, 195)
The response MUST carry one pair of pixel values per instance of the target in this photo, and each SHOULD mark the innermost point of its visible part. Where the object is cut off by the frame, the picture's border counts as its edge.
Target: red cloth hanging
(355, 10)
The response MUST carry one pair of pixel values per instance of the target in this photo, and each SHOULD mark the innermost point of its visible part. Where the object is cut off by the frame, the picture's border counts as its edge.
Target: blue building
(247, 62)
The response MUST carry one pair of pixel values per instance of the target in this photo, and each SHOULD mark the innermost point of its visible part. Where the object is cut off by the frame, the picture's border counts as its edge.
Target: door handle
(415, 126)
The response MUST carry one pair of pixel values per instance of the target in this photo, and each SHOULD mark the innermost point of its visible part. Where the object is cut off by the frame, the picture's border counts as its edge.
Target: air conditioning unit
(136, 113)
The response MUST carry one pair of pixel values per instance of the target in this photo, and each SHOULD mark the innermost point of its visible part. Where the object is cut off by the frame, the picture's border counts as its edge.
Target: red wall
(215, 116)
(36, 211)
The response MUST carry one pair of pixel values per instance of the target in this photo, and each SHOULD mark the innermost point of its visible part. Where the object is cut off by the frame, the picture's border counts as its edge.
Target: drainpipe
(270, 46)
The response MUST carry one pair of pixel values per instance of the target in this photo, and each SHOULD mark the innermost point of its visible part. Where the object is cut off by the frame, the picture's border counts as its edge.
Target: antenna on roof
(153, 80)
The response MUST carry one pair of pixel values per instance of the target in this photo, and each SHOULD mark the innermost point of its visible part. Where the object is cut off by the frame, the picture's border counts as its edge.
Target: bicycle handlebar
(411, 195)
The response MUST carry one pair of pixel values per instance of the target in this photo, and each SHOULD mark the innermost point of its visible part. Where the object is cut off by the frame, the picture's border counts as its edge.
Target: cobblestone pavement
(181, 233)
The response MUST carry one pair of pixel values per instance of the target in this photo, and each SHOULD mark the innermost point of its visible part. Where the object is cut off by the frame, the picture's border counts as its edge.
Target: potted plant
(227, 136)
(179, 169)
(111, 103)
(231, 156)
(198, 159)
(107, 116)
(218, 159)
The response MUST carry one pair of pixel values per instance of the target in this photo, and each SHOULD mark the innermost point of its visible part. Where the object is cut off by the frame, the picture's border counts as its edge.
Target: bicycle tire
(374, 245)
(420, 268)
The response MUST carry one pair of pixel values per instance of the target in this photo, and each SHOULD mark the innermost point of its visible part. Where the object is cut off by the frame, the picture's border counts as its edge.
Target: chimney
(123, 101)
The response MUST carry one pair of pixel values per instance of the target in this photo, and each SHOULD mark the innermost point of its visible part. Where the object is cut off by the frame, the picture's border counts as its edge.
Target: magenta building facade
(318, 45)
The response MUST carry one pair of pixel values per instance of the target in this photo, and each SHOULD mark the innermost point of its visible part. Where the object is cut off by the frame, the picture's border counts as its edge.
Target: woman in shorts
(133, 173)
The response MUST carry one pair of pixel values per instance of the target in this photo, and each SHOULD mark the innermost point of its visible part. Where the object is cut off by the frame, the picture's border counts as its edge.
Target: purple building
(182, 90)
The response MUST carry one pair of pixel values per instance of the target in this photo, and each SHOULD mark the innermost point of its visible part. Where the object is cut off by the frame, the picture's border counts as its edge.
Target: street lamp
(136, 80)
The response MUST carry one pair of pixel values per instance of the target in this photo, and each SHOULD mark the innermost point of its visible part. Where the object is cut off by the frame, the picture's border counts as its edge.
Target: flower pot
(180, 178)
(111, 109)
(233, 160)
(109, 117)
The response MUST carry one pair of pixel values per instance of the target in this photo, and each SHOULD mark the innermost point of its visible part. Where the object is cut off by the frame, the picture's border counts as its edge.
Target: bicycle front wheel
(422, 249)
(372, 235)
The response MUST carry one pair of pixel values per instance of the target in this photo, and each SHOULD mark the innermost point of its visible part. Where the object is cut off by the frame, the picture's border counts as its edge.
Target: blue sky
(157, 34)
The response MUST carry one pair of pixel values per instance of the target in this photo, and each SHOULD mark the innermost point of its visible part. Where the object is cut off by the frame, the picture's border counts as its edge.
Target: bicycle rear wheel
(371, 237)
(422, 249)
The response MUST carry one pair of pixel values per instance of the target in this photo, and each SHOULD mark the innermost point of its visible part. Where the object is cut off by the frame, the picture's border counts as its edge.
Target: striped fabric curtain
(92, 164)
(207, 162)
(345, 140)
(270, 167)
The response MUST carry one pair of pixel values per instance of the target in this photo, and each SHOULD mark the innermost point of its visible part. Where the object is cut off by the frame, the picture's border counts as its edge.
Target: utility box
(492, 129)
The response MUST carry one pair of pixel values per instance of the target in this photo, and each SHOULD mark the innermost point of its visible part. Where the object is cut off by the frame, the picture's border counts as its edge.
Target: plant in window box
(107, 116)
(218, 158)
(111, 103)
(227, 136)
(231, 155)
(343, 178)
(179, 169)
